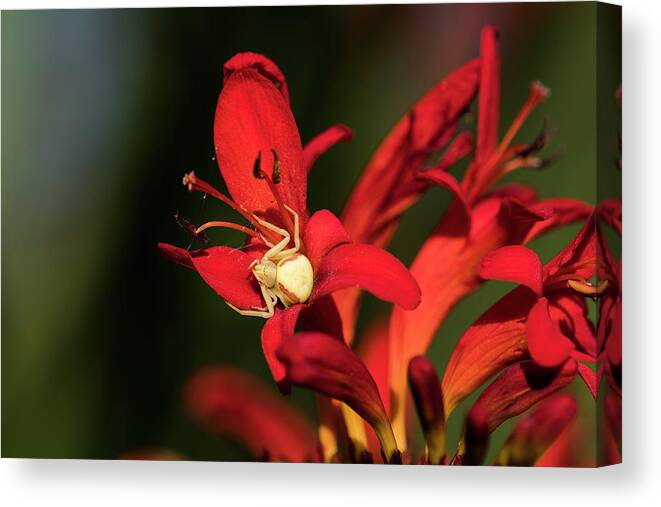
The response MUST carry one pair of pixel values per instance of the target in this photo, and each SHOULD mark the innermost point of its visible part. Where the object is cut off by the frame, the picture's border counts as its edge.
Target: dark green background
(103, 111)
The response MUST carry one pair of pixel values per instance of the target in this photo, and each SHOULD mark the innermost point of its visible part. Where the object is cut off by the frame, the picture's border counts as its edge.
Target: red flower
(559, 287)
(230, 402)
(479, 220)
(328, 366)
(391, 182)
(545, 320)
(292, 262)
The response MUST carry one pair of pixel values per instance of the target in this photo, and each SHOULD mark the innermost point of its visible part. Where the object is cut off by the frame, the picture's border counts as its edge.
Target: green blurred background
(103, 112)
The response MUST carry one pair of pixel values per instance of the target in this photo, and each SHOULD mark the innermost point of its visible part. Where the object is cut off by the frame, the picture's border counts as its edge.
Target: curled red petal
(227, 271)
(230, 402)
(328, 366)
(547, 345)
(177, 255)
(274, 332)
(516, 264)
(371, 268)
(253, 121)
(564, 211)
(322, 233)
(520, 387)
(446, 180)
(322, 142)
(261, 64)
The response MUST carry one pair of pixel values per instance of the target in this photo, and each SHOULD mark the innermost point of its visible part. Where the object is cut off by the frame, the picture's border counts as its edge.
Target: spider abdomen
(294, 279)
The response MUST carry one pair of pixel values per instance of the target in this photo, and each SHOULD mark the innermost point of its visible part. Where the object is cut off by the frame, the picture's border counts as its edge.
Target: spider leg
(297, 239)
(250, 313)
(279, 247)
(269, 298)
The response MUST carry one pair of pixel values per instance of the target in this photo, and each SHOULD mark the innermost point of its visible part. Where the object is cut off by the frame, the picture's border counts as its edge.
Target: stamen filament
(538, 92)
(492, 169)
(227, 225)
(194, 183)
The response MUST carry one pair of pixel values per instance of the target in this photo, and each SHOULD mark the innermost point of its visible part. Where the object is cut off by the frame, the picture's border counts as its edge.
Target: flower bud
(428, 399)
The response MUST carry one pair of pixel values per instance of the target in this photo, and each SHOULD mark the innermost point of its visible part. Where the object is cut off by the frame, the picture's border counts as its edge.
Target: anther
(539, 142)
(190, 228)
(276, 167)
(587, 289)
(257, 167)
(189, 180)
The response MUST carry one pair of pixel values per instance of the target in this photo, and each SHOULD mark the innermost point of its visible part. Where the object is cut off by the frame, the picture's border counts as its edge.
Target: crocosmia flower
(292, 261)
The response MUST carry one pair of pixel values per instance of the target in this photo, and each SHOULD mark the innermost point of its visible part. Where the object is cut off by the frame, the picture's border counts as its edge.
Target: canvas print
(349, 234)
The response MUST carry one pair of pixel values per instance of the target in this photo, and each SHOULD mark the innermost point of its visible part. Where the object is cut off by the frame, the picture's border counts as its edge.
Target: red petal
(489, 98)
(261, 64)
(323, 232)
(446, 180)
(321, 143)
(547, 345)
(564, 211)
(570, 311)
(516, 264)
(447, 268)
(227, 271)
(322, 316)
(253, 119)
(580, 254)
(231, 402)
(589, 376)
(177, 255)
(276, 329)
(536, 431)
(370, 268)
(373, 351)
(520, 387)
(492, 343)
(326, 365)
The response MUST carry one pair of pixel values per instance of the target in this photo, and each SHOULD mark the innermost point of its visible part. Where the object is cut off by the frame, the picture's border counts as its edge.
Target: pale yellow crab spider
(282, 273)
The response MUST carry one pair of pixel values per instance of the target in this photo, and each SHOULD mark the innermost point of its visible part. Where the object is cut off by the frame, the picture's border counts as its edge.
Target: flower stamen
(227, 225)
(495, 167)
(272, 182)
(194, 183)
(586, 288)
